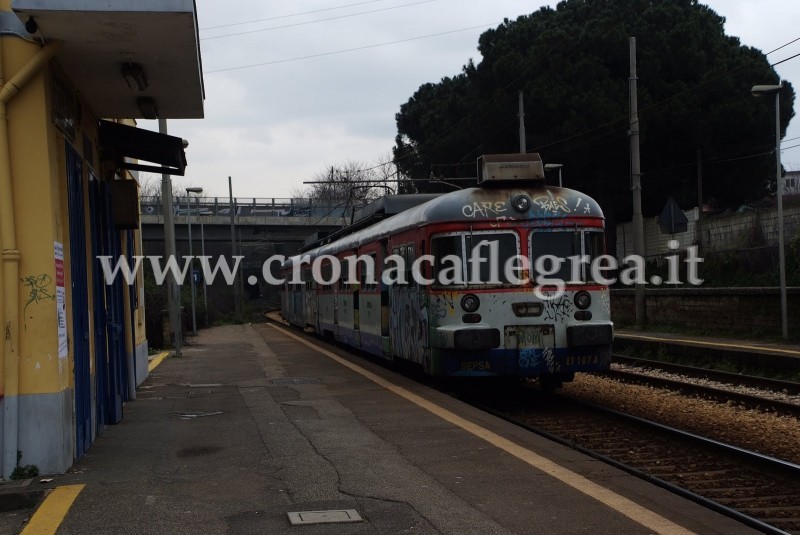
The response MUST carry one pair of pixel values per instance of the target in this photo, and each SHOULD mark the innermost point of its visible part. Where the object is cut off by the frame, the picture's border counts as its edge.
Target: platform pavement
(251, 424)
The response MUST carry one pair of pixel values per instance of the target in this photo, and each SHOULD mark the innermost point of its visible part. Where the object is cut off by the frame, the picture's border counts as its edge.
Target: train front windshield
(563, 245)
(473, 259)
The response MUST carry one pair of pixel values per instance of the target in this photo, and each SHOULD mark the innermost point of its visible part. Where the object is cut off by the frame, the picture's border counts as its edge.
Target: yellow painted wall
(36, 212)
(42, 217)
(39, 182)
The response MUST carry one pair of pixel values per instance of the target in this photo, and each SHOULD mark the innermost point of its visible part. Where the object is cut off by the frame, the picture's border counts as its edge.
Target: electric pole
(636, 187)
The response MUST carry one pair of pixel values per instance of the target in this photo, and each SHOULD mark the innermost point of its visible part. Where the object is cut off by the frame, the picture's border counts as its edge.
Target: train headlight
(521, 203)
(470, 303)
(583, 300)
(527, 309)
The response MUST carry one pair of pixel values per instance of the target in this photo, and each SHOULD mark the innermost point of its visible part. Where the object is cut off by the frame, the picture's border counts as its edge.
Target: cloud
(273, 126)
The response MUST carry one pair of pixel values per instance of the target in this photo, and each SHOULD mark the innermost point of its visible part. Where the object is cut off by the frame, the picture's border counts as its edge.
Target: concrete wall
(716, 310)
(721, 232)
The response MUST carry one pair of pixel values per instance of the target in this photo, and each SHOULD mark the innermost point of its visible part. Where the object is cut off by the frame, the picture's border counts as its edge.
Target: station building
(74, 78)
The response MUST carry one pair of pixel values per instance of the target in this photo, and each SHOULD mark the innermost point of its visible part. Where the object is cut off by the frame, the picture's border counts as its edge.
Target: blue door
(115, 306)
(98, 222)
(108, 307)
(80, 302)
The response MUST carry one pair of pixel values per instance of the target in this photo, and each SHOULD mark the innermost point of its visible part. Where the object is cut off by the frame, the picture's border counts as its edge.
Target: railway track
(759, 491)
(727, 386)
(777, 385)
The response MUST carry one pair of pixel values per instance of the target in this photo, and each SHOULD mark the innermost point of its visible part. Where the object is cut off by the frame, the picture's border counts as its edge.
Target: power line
(349, 49)
(784, 60)
(783, 46)
(740, 158)
(290, 15)
(659, 103)
(314, 21)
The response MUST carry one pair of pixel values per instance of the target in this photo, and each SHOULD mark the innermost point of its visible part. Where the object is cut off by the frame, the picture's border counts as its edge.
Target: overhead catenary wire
(661, 102)
(254, 21)
(588, 131)
(365, 47)
(314, 21)
(611, 123)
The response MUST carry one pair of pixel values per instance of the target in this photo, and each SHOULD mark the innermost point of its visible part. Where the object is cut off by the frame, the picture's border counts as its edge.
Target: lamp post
(202, 253)
(191, 258)
(759, 90)
(549, 166)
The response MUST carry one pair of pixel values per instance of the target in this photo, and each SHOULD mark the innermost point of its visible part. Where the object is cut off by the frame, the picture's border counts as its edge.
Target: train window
(594, 245)
(462, 246)
(564, 245)
(326, 271)
(444, 246)
(372, 287)
(343, 278)
(560, 245)
(410, 257)
(507, 245)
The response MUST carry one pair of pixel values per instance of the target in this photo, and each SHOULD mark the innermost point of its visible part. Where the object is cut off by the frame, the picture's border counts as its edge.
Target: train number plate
(529, 336)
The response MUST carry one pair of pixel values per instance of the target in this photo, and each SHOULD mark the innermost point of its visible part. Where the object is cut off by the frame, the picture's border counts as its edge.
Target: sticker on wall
(61, 302)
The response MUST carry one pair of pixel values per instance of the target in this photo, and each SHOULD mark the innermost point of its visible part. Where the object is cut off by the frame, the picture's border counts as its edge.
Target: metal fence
(248, 207)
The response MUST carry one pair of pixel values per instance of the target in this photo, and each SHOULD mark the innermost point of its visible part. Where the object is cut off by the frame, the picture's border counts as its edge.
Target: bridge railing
(248, 207)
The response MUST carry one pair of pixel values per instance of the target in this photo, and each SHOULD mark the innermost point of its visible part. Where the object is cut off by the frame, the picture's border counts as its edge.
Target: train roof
(544, 203)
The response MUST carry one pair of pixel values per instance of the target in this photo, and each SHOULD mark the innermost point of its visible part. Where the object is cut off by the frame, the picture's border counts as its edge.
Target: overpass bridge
(262, 227)
(259, 222)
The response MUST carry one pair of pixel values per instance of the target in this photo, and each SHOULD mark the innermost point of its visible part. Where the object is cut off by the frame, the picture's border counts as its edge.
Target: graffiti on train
(409, 324)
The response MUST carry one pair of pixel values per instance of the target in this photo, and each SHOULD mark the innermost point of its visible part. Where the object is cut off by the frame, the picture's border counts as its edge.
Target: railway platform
(256, 426)
(744, 353)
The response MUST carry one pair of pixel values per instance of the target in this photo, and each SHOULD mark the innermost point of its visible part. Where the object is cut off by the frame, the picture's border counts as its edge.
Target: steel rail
(671, 487)
(716, 375)
(705, 390)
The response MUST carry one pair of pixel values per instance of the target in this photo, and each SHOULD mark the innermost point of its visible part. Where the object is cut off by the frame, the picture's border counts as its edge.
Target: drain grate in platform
(324, 517)
(286, 381)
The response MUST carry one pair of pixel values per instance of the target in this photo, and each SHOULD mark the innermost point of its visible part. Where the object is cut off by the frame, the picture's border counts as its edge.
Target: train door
(338, 293)
(311, 301)
(357, 303)
(409, 331)
(385, 302)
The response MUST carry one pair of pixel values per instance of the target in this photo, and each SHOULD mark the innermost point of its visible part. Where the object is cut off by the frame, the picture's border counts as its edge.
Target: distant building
(791, 183)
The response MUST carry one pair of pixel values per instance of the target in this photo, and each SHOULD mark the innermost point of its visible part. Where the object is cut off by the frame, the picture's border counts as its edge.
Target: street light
(191, 259)
(759, 90)
(549, 166)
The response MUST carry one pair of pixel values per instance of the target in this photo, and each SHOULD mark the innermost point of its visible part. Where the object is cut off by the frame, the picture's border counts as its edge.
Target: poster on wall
(61, 302)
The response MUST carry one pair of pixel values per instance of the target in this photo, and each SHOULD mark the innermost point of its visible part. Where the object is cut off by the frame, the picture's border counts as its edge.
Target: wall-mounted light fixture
(147, 107)
(30, 26)
(134, 76)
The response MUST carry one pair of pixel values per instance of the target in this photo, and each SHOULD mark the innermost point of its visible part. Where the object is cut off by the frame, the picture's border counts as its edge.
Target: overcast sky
(287, 97)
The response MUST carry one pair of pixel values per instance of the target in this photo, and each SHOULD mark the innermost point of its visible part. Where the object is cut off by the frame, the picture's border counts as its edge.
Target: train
(465, 283)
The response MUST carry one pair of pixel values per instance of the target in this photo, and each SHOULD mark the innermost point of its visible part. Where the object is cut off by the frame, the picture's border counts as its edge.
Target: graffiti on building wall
(38, 289)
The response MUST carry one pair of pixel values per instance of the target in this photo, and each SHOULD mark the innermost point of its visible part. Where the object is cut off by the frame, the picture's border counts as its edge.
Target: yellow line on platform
(621, 504)
(158, 359)
(51, 513)
(727, 345)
